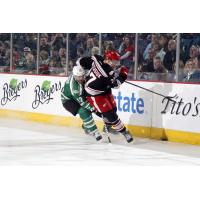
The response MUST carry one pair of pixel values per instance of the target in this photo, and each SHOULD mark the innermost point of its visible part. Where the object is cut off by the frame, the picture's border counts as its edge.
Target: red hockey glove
(123, 72)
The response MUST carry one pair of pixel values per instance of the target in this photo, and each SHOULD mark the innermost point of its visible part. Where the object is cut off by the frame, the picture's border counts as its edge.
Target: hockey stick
(167, 97)
(107, 133)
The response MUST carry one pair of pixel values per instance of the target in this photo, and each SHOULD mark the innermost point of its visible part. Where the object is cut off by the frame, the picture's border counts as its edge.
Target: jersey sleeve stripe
(92, 91)
(98, 66)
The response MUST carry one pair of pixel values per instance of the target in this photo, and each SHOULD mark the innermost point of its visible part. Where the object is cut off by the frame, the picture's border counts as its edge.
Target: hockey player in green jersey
(73, 100)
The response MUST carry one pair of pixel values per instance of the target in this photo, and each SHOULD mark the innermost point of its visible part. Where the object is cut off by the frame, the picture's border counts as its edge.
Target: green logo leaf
(13, 83)
(46, 85)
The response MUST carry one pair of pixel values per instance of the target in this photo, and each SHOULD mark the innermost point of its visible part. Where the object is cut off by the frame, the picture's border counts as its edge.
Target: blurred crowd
(157, 61)
(156, 53)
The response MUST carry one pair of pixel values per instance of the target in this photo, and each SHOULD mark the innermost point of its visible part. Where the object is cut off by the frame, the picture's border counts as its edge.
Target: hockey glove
(123, 73)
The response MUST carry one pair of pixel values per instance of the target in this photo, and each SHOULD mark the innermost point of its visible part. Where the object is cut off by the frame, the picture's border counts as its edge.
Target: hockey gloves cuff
(123, 73)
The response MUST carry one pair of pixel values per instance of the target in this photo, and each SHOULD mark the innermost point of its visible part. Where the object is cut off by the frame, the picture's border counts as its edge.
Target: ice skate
(128, 136)
(86, 131)
(98, 136)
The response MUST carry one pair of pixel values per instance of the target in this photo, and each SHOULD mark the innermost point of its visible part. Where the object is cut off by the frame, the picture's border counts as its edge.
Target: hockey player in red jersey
(101, 77)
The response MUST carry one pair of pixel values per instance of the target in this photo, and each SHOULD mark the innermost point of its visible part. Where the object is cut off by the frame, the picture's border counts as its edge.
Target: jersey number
(92, 78)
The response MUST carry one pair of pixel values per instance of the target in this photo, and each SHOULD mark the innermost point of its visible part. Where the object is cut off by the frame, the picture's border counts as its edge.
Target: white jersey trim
(92, 91)
(99, 66)
(95, 104)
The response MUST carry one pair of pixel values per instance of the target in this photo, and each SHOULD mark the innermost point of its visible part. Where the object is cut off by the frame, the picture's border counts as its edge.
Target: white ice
(31, 143)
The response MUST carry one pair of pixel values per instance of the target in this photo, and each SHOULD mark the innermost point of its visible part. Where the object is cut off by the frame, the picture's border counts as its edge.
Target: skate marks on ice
(29, 143)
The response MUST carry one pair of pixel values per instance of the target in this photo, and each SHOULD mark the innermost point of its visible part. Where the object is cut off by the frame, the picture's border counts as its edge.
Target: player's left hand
(123, 72)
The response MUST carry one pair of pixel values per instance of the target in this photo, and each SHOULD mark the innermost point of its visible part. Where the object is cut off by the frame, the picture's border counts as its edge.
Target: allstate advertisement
(136, 106)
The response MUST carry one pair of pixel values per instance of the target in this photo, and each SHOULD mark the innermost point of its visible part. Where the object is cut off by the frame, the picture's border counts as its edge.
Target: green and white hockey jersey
(73, 90)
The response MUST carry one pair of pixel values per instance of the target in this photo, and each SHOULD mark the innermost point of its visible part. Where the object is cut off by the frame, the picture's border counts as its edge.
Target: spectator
(181, 73)
(30, 61)
(80, 40)
(151, 65)
(89, 46)
(2, 54)
(7, 52)
(115, 38)
(73, 46)
(44, 62)
(31, 41)
(44, 44)
(194, 52)
(57, 54)
(19, 39)
(58, 41)
(187, 40)
(170, 56)
(63, 62)
(62, 58)
(44, 58)
(26, 61)
(53, 63)
(66, 70)
(142, 42)
(109, 46)
(70, 65)
(159, 50)
(60, 68)
(126, 50)
(95, 51)
(80, 52)
(62, 53)
(160, 73)
(54, 54)
(163, 41)
(148, 66)
(158, 66)
(154, 40)
(16, 56)
(192, 70)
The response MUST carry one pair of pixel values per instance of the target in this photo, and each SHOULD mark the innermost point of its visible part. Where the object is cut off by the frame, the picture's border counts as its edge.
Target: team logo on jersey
(11, 90)
(44, 93)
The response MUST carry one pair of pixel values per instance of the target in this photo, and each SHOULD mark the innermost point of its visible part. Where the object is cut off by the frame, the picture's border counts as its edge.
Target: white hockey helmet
(78, 71)
(79, 74)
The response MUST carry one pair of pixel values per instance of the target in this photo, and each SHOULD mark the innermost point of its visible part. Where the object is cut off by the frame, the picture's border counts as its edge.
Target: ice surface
(31, 143)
